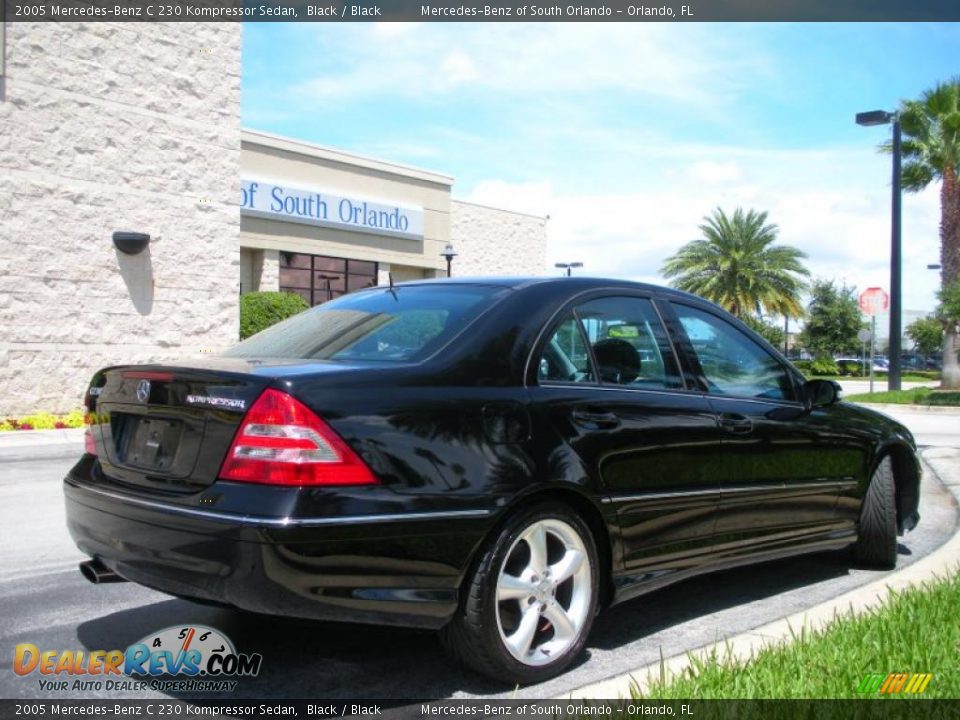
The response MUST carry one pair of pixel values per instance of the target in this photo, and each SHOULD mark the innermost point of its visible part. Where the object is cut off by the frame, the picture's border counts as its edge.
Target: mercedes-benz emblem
(143, 390)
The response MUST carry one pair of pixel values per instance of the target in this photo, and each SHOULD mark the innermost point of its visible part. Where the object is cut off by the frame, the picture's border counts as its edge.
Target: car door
(609, 383)
(782, 470)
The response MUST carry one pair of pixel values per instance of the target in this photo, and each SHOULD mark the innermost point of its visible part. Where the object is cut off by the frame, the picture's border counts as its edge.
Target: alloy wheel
(544, 592)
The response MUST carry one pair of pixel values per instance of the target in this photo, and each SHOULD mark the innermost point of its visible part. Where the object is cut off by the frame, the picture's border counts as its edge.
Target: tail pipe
(96, 572)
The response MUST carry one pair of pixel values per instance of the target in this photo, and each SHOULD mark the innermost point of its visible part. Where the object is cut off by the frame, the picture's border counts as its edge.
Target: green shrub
(824, 366)
(943, 397)
(260, 310)
(850, 368)
(803, 366)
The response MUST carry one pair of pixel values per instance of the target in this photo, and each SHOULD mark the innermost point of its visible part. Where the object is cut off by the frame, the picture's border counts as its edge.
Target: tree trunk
(949, 227)
(950, 270)
(950, 378)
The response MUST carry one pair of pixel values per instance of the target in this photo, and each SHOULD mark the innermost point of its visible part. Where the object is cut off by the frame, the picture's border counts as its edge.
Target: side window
(733, 363)
(565, 357)
(629, 344)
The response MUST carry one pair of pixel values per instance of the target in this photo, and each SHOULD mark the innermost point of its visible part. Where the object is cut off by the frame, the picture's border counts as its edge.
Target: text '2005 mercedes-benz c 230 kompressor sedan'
(496, 459)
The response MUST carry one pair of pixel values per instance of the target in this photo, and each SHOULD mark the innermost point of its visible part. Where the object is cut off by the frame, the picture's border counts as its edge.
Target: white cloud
(413, 60)
(715, 172)
(833, 204)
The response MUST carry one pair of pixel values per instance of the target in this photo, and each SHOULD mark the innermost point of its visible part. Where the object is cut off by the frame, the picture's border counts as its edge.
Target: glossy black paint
(673, 482)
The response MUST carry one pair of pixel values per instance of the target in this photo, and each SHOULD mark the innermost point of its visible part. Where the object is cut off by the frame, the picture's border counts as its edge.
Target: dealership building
(135, 128)
(321, 222)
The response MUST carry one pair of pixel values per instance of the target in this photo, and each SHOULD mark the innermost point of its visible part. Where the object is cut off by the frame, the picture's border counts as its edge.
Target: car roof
(578, 283)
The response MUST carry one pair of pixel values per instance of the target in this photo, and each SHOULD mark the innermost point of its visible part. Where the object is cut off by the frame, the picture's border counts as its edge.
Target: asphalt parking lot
(45, 601)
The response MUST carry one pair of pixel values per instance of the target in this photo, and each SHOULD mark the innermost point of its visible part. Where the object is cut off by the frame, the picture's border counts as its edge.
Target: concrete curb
(944, 561)
(38, 444)
(891, 407)
(40, 438)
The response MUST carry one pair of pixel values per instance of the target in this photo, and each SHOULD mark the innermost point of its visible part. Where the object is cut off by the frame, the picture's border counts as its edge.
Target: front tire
(876, 544)
(531, 599)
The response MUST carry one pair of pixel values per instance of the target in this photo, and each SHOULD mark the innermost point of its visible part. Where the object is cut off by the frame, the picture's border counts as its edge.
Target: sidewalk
(855, 387)
(945, 463)
(893, 407)
(23, 444)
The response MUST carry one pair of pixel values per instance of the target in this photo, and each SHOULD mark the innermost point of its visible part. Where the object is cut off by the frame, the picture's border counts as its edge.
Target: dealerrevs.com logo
(895, 683)
(201, 658)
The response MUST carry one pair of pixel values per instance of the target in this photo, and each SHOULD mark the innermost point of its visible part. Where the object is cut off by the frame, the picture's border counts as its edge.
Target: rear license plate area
(149, 443)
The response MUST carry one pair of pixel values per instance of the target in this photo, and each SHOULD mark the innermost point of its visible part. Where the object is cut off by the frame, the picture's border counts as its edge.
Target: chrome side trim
(848, 484)
(660, 495)
(260, 521)
(839, 485)
(793, 487)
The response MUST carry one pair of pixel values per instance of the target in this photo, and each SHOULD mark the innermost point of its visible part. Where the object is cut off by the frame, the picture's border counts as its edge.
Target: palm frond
(737, 265)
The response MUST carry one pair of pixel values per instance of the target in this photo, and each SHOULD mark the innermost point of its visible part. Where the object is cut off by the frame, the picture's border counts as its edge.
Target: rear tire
(530, 601)
(876, 544)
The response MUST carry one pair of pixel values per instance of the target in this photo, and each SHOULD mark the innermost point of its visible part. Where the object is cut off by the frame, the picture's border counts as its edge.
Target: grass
(914, 631)
(917, 396)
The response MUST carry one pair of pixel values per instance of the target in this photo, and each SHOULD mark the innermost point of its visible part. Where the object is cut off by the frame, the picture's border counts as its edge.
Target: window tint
(733, 363)
(317, 278)
(629, 344)
(565, 357)
(407, 323)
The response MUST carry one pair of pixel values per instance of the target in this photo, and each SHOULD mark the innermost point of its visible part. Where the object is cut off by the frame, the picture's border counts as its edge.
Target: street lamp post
(882, 117)
(449, 254)
(568, 266)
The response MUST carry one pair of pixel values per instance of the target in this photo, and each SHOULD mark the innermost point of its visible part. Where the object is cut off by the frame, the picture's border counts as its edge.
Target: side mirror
(821, 393)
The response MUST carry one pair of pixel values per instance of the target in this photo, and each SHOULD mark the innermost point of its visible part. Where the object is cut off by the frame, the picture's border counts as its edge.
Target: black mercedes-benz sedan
(495, 459)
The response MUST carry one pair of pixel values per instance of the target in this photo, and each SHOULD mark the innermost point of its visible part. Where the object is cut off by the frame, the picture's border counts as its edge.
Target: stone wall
(110, 127)
(489, 241)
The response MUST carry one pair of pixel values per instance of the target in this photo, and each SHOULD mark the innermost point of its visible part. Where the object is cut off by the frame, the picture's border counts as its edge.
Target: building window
(318, 278)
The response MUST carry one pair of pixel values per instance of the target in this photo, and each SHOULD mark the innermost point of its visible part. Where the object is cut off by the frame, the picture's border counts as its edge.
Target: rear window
(404, 324)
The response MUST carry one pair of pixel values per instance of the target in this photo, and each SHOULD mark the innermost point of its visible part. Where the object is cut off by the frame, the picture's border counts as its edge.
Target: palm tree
(931, 151)
(737, 266)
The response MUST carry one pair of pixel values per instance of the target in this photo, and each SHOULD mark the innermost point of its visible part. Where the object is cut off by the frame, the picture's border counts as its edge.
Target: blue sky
(626, 134)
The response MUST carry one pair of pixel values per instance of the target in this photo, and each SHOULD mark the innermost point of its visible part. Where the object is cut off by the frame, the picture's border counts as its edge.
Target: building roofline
(322, 152)
(491, 207)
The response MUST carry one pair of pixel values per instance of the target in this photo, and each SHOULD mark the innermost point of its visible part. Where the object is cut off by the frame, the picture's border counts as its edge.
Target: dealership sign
(319, 207)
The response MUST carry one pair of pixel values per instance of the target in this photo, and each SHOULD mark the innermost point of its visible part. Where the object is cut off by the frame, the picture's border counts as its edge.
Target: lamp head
(874, 117)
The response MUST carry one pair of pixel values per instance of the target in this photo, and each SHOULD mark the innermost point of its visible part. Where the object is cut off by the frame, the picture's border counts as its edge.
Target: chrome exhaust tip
(96, 572)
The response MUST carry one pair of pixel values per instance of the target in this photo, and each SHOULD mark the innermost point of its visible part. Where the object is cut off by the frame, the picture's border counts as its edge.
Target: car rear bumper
(385, 568)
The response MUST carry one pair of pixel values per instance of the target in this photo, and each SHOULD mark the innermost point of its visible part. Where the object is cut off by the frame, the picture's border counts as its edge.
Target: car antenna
(392, 291)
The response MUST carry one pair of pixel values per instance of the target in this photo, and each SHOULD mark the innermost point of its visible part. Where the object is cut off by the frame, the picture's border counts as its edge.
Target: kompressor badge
(217, 402)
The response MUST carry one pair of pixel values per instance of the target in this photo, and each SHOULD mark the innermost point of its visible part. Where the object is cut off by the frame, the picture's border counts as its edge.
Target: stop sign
(873, 300)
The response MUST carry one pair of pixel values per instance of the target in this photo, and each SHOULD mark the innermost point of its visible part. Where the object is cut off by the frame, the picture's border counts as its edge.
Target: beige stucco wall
(308, 166)
(490, 241)
(115, 127)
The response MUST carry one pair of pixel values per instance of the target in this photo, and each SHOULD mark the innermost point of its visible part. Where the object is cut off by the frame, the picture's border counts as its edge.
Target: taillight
(282, 442)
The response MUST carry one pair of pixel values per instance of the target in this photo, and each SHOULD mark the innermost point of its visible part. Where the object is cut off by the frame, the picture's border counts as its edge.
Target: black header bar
(489, 11)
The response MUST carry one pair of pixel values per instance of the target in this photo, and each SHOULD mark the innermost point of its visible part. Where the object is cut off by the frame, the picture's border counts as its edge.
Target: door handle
(595, 419)
(731, 422)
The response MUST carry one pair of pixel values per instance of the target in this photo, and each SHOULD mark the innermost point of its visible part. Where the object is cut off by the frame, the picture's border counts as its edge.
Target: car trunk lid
(168, 428)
